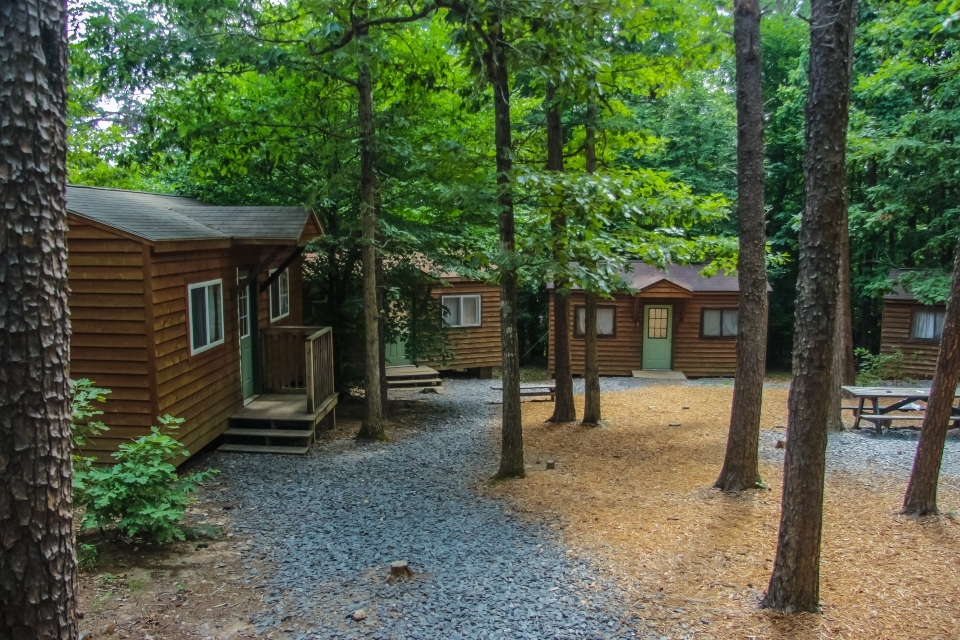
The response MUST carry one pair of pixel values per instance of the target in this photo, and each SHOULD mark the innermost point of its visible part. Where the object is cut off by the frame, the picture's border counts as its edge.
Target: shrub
(82, 396)
(882, 366)
(86, 555)
(141, 495)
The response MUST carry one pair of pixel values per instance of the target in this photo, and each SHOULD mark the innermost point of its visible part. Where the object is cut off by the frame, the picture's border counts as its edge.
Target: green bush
(142, 495)
(82, 396)
(882, 366)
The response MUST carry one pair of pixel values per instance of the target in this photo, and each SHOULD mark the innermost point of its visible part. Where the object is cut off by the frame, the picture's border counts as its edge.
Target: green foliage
(142, 495)
(881, 367)
(87, 555)
(83, 394)
(929, 286)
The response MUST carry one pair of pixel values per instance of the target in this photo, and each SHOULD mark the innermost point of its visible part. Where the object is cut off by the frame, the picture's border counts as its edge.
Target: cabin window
(243, 302)
(280, 296)
(461, 311)
(206, 315)
(719, 323)
(927, 324)
(606, 322)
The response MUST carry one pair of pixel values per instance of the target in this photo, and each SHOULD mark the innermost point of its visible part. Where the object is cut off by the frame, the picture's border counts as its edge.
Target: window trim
(241, 293)
(913, 323)
(223, 334)
(460, 297)
(703, 336)
(600, 336)
(285, 274)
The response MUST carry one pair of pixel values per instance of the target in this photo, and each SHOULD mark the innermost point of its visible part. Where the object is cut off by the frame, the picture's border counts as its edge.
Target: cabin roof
(687, 277)
(898, 291)
(162, 217)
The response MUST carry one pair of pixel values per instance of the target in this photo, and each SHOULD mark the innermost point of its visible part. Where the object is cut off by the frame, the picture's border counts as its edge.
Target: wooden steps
(269, 433)
(277, 423)
(253, 448)
(411, 378)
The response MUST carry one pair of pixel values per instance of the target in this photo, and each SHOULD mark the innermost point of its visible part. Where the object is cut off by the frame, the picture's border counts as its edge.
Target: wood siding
(473, 347)
(621, 355)
(109, 317)
(920, 355)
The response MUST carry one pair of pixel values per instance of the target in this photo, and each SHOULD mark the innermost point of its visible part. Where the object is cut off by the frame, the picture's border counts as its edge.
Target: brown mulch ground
(635, 495)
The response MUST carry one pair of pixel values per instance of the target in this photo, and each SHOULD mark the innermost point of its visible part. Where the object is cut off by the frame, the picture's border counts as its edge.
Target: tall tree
(741, 468)
(563, 408)
(921, 496)
(38, 578)
(795, 582)
(591, 366)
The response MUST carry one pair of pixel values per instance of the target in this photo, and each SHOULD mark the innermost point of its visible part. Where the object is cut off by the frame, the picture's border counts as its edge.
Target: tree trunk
(38, 579)
(741, 468)
(795, 582)
(563, 409)
(382, 338)
(921, 496)
(372, 426)
(591, 366)
(511, 457)
(843, 370)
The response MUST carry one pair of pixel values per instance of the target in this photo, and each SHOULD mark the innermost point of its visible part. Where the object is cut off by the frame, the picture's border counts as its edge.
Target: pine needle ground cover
(636, 497)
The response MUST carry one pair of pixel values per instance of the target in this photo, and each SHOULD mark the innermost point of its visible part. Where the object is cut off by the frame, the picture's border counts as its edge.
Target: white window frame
(243, 305)
(282, 279)
(460, 298)
(939, 317)
(204, 285)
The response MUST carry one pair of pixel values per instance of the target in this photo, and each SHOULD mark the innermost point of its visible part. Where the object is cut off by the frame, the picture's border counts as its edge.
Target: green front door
(657, 336)
(248, 321)
(396, 354)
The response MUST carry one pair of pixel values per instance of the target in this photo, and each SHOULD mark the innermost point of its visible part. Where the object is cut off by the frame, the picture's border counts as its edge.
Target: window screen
(928, 325)
(719, 323)
(606, 321)
(462, 311)
(280, 296)
(206, 315)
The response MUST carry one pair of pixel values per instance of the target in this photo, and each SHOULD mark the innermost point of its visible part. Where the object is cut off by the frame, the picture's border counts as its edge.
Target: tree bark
(38, 579)
(921, 496)
(372, 426)
(741, 468)
(844, 371)
(563, 409)
(382, 338)
(591, 366)
(795, 582)
(511, 456)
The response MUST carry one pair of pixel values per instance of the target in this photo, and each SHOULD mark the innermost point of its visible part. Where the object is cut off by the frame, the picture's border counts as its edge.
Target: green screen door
(657, 336)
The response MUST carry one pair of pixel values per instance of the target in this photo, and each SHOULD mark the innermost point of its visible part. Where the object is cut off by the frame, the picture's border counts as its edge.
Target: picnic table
(544, 389)
(904, 398)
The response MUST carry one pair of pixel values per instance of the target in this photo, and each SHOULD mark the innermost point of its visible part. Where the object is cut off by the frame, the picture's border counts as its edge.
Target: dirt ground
(635, 495)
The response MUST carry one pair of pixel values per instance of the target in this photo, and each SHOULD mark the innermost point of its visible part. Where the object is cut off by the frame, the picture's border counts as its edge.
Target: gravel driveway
(332, 521)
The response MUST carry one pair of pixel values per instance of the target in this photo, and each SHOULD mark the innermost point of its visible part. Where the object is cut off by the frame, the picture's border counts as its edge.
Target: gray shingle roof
(157, 217)
(686, 277)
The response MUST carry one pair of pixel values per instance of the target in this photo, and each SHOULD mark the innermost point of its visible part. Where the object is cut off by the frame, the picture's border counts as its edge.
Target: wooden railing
(298, 360)
(319, 364)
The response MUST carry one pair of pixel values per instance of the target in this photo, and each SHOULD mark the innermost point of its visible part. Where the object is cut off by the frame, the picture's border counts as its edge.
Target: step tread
(269, 433)
(253, 448)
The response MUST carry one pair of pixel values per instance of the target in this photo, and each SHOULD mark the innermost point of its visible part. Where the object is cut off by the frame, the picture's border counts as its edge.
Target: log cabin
(675, 320)
(911, 327)
(471, 313)
(196, 311)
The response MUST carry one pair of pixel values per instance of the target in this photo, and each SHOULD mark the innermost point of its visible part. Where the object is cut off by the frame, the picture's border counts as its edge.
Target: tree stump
(551, 464)
(400, 570)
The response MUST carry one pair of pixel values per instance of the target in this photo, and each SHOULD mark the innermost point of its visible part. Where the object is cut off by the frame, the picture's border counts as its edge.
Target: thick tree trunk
(372, 426)
(741, 468)
(382, 337)
(563, 409)
(511, 457)
(591, 366)
(795, 582)
(844, 371)
(38, 578)
(921, 496)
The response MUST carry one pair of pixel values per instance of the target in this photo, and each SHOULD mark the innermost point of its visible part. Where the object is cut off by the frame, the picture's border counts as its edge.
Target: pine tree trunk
(563, 409)
(741, 468)
(382, 338)
(372, 426)
(795, 582)
(511, 457)
(38, 578)
(843, 371)
(921, 496)
(591, 365)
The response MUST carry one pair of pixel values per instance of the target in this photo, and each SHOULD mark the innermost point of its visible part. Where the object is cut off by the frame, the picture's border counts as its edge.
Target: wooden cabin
(195, 311)
(675, 320)
(913, 328)
(472, 317)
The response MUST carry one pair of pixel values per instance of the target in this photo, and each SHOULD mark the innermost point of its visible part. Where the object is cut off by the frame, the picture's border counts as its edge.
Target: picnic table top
(891, 392)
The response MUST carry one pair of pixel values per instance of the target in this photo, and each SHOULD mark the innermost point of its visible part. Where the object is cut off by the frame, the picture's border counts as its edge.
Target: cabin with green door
(195, 310)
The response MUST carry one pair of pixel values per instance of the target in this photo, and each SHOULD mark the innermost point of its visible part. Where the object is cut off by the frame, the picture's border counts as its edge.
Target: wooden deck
(277, 423)
(412, 378)
(284, 407)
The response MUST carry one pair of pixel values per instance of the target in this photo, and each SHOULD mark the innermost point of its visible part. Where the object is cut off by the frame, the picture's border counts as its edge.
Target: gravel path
(332, 521)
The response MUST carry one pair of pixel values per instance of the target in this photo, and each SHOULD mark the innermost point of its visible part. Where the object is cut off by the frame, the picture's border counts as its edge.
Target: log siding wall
(474, 347)
(920, 355)
(623, 354)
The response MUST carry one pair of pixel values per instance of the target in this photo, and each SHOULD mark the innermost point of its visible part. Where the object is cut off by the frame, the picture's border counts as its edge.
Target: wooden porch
(296, 377)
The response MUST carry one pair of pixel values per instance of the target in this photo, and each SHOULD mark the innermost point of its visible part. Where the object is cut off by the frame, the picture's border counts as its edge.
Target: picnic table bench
(536, 390)
(904, 399)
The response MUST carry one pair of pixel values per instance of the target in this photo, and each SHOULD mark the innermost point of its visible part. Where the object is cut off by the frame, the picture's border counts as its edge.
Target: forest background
(192, 97)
